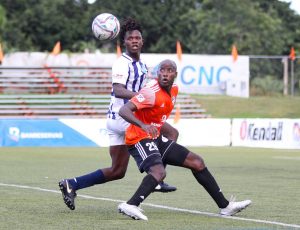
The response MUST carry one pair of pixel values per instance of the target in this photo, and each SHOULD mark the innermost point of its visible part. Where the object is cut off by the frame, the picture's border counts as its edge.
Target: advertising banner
(260, 133)
(197, 74)
(207, 74)
(266, 133)
(93, 132)
(93, 129)
(41, 132)
(192, 132)
(203, 132)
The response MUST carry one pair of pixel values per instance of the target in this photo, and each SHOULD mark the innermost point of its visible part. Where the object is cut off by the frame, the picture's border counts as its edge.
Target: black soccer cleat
(68, 193)
(164, 187)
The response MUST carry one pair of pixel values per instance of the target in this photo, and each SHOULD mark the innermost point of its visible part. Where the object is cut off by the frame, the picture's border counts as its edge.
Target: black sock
(146, 187)
(209, 183)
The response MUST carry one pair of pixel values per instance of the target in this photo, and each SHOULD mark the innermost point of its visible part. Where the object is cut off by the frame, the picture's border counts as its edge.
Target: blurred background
(264, 30)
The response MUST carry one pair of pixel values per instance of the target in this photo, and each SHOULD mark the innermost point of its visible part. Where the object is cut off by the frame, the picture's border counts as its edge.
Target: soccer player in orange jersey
(147, 112)
(129, 72)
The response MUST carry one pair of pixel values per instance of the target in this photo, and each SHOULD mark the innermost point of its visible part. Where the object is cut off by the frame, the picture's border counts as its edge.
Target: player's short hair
(173, 63)
(129, 24)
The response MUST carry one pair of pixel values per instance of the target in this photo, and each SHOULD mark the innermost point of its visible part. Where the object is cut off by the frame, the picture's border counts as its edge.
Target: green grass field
(270, 178)
(253, 107)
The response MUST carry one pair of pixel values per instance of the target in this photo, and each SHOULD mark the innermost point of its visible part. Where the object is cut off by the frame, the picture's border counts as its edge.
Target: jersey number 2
(152, 146)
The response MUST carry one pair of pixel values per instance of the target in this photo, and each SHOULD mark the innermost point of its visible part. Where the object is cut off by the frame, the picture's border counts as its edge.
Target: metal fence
(279, 69)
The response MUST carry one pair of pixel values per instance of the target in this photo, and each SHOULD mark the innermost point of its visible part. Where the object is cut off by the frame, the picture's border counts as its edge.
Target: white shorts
(116, 130)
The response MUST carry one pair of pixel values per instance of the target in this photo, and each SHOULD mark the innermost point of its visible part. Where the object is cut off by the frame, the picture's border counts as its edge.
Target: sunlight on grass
(253, 107)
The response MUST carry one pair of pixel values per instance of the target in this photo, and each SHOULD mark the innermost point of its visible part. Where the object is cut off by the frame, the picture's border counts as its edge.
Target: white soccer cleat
(132, 211)
(234, 207)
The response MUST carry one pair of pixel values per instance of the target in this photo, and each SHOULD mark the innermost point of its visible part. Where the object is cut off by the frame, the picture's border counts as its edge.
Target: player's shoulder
(145, 95)
(175, 86)
(124, 59)
(153, 85)
(150, 89)
(174, 90)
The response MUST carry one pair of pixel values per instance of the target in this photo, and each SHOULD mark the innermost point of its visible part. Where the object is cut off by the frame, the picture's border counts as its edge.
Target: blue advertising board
(40, 132)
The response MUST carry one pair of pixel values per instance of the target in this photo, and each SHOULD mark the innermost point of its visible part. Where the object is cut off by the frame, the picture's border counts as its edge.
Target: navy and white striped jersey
(127, 72)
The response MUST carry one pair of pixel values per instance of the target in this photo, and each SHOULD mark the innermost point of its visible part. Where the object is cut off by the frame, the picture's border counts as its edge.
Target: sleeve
(120, 72)
(145, 98)
(175, 89)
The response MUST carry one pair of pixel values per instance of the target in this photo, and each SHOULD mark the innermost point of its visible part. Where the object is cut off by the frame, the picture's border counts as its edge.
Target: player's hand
(151, 130)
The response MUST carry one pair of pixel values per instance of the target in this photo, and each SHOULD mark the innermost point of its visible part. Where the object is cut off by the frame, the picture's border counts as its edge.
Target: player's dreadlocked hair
(129, 24)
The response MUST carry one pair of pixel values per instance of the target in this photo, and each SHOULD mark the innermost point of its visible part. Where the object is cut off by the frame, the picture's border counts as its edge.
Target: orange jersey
(154, 107)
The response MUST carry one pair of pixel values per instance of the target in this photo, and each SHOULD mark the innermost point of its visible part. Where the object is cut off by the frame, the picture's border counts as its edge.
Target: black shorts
(149, 152)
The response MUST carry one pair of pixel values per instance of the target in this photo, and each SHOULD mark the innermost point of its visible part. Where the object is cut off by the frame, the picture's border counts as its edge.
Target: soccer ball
(106, 26)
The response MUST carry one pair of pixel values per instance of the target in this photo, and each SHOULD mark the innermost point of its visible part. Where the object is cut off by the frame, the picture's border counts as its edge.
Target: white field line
(160, 206)
(287, 158)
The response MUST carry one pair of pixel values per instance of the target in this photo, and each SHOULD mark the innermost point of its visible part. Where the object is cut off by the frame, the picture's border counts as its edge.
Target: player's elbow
(120, 91)
(122, 111)
(118, 94)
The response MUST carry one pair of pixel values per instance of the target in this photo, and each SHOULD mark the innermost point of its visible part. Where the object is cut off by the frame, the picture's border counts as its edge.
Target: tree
(2, 18)
(216, 25)
(257, 27)
(37, 24)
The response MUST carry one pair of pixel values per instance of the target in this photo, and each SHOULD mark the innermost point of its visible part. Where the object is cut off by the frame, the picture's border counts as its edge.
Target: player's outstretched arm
(120, 91)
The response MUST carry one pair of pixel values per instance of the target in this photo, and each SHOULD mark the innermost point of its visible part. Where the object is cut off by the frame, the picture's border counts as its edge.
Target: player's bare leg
(120, 159)
(172, 134)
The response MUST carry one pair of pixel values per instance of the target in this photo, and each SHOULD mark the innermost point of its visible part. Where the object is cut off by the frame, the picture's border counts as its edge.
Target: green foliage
(2, 17)
(202, 26)
(216, 25)
(266, 86)
(260, 67)
(253, 107)
(37, 25)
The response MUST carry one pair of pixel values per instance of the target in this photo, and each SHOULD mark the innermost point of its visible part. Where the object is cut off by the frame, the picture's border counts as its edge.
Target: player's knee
(162, 175)
(119, 176)
(120, 173)
(196, 162)
(115, 173)
(199, 163)
(158, 172)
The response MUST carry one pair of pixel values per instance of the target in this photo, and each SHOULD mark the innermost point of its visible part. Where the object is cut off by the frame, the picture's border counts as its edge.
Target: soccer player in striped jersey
(147, 112)
(128, 77)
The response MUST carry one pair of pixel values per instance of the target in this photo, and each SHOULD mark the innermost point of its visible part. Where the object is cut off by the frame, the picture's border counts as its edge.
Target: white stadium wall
(264, 133)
